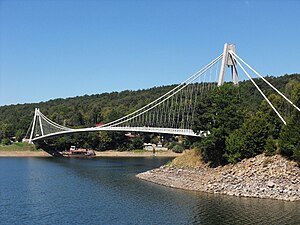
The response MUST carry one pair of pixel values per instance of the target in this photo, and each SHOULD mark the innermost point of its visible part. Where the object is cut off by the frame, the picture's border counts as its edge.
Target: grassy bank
(189, 159)
(18, 147)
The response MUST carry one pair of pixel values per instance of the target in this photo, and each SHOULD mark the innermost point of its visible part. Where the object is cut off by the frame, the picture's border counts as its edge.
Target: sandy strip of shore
(98, 154)
(24, 154)
(136, 154)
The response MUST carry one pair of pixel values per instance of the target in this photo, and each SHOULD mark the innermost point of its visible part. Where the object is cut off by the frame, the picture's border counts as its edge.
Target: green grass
(141, 150)
(137, 150)
(21, 146)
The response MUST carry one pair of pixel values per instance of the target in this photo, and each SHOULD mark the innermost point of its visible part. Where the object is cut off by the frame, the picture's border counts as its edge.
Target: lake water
(106, 191)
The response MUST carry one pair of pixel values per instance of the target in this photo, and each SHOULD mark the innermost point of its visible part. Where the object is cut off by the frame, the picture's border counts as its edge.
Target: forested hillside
(243, 125)
(228, 112)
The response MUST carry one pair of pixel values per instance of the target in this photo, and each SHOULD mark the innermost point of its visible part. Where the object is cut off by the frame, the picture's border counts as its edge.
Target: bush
(289, 141)
(178, 148)
(234, 146)
(212, 147)
(249, 140)
(271, 147)
(5, 141)
(172, 144)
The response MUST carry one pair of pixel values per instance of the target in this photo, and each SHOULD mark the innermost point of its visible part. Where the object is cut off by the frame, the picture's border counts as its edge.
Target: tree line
(240, 122)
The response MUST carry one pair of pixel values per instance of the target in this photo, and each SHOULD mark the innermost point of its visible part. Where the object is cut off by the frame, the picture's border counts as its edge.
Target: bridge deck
(176, 131)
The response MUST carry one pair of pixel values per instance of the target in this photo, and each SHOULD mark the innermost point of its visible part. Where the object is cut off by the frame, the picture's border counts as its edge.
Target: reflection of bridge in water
(171, 113)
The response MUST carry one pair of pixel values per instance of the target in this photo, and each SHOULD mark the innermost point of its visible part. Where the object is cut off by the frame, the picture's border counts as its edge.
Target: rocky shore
(262, 177)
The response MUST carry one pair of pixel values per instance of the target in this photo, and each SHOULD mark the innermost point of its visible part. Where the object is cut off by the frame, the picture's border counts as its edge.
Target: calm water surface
(106, 191)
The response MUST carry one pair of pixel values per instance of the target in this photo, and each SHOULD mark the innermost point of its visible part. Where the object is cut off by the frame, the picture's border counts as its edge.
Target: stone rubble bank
(263, 177)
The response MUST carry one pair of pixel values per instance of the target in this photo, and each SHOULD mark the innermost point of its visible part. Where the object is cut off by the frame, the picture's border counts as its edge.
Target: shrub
(271, 147)
(289, 141)
(178, 148)
(5, 141)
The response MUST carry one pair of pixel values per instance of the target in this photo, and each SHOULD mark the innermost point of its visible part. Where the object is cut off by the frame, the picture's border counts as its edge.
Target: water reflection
(240, 210)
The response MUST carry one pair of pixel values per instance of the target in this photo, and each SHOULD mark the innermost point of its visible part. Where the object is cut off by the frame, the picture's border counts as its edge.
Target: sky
(65, 48)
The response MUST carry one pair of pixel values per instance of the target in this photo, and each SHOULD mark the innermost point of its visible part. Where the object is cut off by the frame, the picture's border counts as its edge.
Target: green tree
(20, 135)
(218, 115)
(213, 146)
(271, 116)
(137, 143)
(234, 146)
(178, 148)
(289, 141)
(105, 107)
(105, 140)
(271, 146)
(5, 141)
(6, 130)
(249, 140)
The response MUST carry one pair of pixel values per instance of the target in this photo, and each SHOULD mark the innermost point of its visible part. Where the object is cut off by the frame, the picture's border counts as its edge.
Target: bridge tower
(37, 121)
(228, 60)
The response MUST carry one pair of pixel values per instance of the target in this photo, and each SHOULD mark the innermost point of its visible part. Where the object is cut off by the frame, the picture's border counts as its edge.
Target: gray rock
(270, 184)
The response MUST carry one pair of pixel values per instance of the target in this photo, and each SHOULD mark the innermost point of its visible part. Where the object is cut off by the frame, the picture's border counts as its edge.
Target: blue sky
(63, 48)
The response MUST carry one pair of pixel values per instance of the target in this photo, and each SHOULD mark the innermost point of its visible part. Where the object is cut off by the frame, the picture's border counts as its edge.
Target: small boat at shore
(79, 153)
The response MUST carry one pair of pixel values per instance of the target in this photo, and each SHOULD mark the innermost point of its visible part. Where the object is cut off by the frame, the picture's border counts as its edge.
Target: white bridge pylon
(171, 113)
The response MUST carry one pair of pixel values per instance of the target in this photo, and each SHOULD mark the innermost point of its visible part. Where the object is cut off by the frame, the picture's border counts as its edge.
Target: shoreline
(24, 153)
(260, 177)
(110, 153)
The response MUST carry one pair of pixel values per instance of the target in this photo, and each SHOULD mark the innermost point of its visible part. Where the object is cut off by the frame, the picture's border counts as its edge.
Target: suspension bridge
(171, 113)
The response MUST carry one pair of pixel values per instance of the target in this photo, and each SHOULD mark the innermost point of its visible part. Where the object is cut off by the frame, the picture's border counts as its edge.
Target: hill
(88, 110)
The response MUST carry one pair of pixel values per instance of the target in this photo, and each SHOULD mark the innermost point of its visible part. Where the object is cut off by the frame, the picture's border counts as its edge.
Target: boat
(79, 153)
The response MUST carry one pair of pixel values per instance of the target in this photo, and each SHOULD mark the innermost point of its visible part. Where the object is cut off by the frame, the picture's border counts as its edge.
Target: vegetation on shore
(190, 159)
(240, 122)
(243, 126)
(262, 176)
(19, 147)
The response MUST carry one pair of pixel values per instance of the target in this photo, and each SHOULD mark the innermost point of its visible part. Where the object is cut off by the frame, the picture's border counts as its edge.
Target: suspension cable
(282, 95)
(115, 123)
(265, 97)
(190, 79)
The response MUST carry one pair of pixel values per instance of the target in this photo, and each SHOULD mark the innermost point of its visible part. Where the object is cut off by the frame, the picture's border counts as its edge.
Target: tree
(271, 116)
(249, 140)
(178, 148)
(5, 141)
(137, 143)
(20, 135)
(289, 140)
(219, 114)
(271, 147)
(213, 146)
(6, 131)
(203, 118)
(234, 146)
(88, 110)
(105, 140)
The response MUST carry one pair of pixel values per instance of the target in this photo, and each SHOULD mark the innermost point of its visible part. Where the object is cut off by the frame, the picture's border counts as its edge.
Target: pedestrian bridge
(171, 113)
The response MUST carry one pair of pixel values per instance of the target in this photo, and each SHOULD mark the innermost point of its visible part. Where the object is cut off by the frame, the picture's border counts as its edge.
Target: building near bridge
(153, 147)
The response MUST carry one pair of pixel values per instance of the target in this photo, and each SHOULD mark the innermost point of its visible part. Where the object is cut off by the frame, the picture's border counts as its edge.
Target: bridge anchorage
(171, 113)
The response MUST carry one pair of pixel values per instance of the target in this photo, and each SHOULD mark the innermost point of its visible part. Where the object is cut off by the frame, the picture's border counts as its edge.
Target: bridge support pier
(228, 61)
